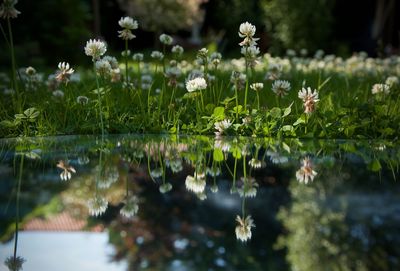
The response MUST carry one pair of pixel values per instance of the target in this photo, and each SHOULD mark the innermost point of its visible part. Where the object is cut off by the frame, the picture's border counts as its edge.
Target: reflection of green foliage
(330, 226)
(293, 23)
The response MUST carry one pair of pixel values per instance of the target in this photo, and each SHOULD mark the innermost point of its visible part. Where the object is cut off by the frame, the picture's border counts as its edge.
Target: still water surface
(198, 203)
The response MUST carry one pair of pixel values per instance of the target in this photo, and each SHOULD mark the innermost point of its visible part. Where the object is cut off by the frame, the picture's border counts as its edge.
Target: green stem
(247, 84)
(99, 98)
(126, 64)
(237, 103)
(21, 167)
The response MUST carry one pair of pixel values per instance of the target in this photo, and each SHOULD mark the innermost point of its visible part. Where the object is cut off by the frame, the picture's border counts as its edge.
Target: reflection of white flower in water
(213, 172)
(83, 160)
(67, 169)
(97, 205)
(201, 195)
(175, 165)
(276, 158)
(195, 184)
(249, 188)
(243, 229)
(214, 188)
(220, 143)
(306, 173)
(130, 208)
(165, 187)
(14, 264)
(255, 163)
(107, 176)
(156, 173)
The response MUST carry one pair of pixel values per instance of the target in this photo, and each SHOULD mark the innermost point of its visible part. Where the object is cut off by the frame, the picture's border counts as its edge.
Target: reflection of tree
(332, 225)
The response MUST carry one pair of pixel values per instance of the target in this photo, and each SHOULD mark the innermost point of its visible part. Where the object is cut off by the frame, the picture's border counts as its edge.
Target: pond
(132, 202)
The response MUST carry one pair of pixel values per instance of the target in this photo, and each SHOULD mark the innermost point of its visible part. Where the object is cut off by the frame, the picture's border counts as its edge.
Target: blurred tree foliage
(48, 31)
(164, 15)
(298, 24)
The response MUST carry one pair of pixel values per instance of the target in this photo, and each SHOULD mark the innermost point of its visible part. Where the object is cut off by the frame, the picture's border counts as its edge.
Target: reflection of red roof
(60, 222)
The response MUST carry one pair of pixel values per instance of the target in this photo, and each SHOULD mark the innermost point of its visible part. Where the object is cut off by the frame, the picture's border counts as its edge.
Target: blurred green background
(48, 31)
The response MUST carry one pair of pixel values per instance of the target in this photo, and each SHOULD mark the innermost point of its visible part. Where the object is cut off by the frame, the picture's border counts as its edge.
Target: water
(199, 203)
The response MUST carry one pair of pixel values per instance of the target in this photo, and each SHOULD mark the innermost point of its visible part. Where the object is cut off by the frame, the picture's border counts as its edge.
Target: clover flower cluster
(127, 24)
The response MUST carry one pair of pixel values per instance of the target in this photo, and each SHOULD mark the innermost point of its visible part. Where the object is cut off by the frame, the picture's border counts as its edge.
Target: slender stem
(237, 103)
(247, 83)
(99, 98)
(126, 64)
(21, 167)
(258, 100)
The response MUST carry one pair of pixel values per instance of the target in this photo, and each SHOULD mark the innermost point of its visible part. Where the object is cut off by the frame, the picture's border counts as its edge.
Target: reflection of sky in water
(78, 251)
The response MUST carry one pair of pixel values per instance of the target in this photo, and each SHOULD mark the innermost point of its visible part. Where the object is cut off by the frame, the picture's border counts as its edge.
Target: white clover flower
(257, 86)
(177, 49)
(67, 170)
(157, 55)
(196, 84)
(222, 126)
(303, 52)
(196, 183)
(247, 31)
(243, 229)
(126, 53)
(95, 49)
(97, 205)
(7, 9)
(30, 71)
(166, 39)
(309, 98)
(274, 71)
(128, 23)
(83, 100)
(130, 208)
(115, 75)
(281, 87)
(306, 173)
(64, 72)
(392, 81)
(290, 53)
(103, 67)
(126, 34)
(112, 60)
(58, 93)
(380, 88)
(138, 57)
(238, 79)
(250, 51)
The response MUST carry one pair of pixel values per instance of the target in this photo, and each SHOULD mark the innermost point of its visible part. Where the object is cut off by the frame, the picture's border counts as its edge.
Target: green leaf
(218, 155)
(236, 153)
(286, 147)
(299, 121)
(276, 112)
(375, 165)
(20, 116)
(287, 110)
(7, 124)
(219, 113)
(287, 128)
